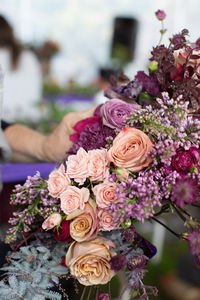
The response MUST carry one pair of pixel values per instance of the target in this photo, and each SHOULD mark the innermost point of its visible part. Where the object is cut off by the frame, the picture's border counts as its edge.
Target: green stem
(83, 293)
(89, 293)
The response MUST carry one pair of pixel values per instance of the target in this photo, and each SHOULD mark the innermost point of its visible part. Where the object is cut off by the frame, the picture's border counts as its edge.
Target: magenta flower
(103, 296)
(115, 112)
(185, 192)
(160, 15)
(194, 242)
(137, 262)
(184, 160)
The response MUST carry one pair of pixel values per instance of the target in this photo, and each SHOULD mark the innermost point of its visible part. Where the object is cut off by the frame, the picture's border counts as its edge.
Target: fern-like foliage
(31, 274)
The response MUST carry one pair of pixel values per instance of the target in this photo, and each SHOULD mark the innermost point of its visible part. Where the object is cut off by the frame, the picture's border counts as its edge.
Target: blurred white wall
(84, 29)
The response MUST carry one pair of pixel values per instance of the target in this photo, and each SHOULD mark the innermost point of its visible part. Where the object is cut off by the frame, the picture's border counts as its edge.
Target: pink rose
(73, 198)
(58, 181)
(83, 225)
(105, 193)
(77, 166)
(106, 220)
(130, 150)
(89, 262)
(52, 221)
(98, 165)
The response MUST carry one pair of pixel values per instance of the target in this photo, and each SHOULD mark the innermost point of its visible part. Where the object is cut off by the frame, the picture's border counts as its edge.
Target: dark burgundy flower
(129, 234)
(178, 74)
(184, 160)
(118, 262)
(160, 14)
(63, 233)
(198, 260)
(137, 262)
(81, 125)
(63, 262)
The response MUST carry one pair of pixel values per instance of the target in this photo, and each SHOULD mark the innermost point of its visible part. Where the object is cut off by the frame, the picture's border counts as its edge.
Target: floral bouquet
(134, 160)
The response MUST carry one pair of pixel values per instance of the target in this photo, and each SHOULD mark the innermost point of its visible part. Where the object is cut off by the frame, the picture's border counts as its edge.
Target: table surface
(18, 172)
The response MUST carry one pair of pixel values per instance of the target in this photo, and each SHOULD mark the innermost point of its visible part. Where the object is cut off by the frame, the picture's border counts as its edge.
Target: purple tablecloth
(18, 172)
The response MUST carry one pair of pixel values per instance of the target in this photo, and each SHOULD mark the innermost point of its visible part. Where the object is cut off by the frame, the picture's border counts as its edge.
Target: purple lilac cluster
(35, 203)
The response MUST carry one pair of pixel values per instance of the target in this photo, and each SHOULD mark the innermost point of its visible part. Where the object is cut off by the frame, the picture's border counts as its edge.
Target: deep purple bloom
(184, 160)
(185, 192)
(194, 242)
(131, 90)
(160, 14)
(103, 296)
(115, 112)
(148, 248)
(149, 83)
(118, 262)
(137, 262)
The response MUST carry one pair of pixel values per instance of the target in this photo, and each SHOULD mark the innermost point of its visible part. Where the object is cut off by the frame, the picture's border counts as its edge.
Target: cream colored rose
(106, 193)
(98, 165)
(58, 181)
(52, 221)
(77, 166)
(89, 263)
(83, 225)
(106, 221)
(130, 150)
(73, 198)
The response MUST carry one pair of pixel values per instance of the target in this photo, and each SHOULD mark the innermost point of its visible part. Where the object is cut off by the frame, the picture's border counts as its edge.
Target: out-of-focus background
(68, 50)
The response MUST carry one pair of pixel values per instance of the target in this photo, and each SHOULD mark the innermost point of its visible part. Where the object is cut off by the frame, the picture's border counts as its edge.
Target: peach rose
(105, 193)
(58, 181)
(130, 150)
(52, 221)
(83, 225)
(77, 166)
(180, 60)
(89, 262)
(105, 220)
(73, 198)
(98, 165)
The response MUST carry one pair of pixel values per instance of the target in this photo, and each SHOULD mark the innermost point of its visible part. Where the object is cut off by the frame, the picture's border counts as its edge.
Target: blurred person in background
(23, 78)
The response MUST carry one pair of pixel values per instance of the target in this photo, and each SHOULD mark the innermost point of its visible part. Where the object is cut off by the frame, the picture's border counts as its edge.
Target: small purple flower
(129, 234)
(148, 248)
(103, 296)
(160, 14)
(194, 242)
(137, 262)
(185, 192)
(131, 90)
(116, 111)
(184, 160)
(118, 262)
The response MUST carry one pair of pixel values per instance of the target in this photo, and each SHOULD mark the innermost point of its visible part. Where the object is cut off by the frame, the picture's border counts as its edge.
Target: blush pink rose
(77, 166)
(106, 221)
(58, 181)
(89, 262)
(83, 225)
(106, 193)
(52, 221)
(98, 165)
(130, 150)
(73, 198)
